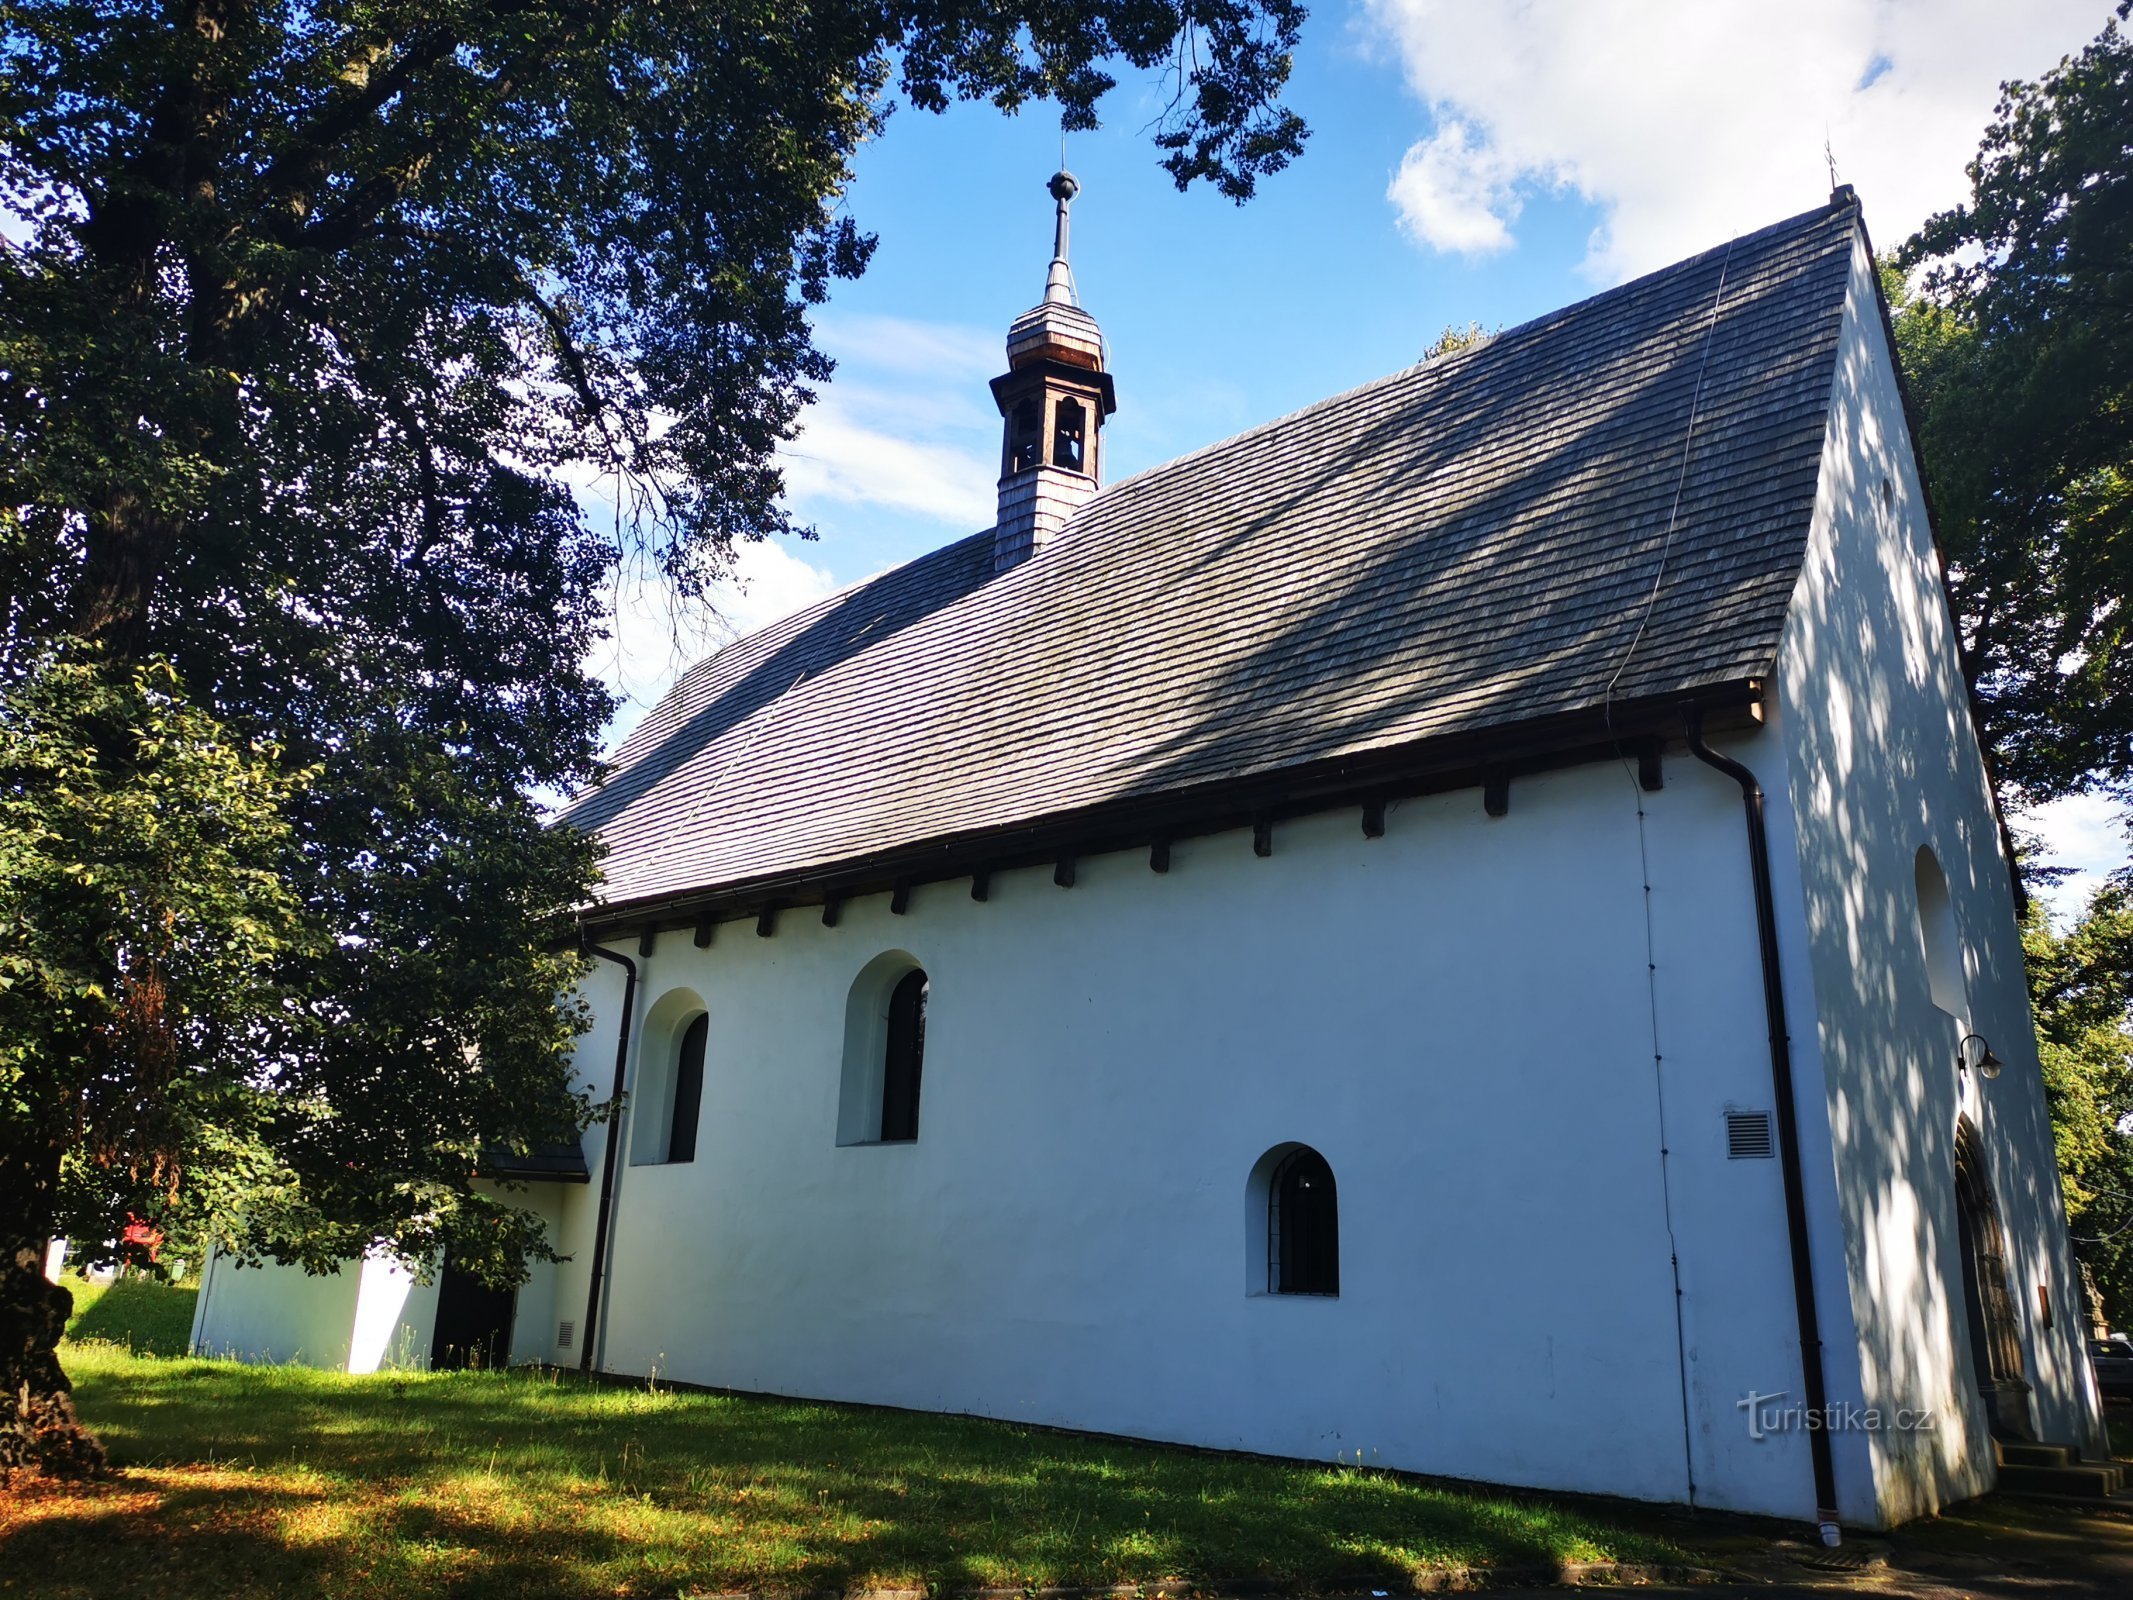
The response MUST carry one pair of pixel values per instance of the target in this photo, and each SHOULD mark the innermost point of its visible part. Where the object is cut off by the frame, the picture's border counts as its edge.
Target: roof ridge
(1446, 362)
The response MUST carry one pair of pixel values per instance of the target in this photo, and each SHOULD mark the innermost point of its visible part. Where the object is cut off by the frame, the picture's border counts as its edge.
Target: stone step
(2032, 1455)
(2085, 1482)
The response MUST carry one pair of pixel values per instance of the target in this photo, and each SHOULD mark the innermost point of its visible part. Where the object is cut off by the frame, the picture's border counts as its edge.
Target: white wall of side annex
(369, 1315)
(276, 1313)
(1460, 1016)
(1883, 759)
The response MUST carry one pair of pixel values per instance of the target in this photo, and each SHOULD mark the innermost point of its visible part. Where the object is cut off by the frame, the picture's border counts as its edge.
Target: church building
(1464, 929)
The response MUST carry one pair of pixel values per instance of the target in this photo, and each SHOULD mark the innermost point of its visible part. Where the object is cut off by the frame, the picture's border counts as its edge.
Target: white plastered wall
(274, 1313)
(1882, 759)
(1459, 1016)
(367, 1316)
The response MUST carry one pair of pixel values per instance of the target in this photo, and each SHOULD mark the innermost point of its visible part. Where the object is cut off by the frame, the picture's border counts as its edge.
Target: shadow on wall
(1884, 763)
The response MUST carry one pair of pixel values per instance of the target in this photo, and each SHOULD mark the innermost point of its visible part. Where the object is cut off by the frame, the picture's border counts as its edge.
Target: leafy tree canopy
(317, 318)
(2081, 985)
(2015, 328)
(2019, 347)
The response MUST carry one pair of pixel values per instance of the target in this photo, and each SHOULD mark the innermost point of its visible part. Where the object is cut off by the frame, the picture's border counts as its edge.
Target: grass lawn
(255, 1481)
(137, 1314)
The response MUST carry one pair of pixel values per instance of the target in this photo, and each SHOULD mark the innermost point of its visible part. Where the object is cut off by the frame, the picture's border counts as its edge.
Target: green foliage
(142, 919)
(313, 320)
(1457, 337)
(477, 244)
(2018, 346)
(2015, 331)
(2081, 986)
(519, 1484)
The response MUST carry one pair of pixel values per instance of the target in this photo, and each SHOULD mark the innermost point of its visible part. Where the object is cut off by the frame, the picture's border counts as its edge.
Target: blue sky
(1469, 161)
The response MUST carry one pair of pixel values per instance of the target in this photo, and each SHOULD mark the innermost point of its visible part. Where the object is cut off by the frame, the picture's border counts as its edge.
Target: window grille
(904, 1059)
(688, 1091)
(1303, 1227)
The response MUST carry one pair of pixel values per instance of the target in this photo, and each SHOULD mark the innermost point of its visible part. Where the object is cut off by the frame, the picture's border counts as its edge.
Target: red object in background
(140, 1237)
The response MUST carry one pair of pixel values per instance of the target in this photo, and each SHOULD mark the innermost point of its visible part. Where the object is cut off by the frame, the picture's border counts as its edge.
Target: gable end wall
(1881, 758)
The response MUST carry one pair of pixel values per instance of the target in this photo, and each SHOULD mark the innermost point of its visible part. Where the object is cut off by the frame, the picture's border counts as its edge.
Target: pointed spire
(1053, 398)
(1056, 328)
(1059, 282)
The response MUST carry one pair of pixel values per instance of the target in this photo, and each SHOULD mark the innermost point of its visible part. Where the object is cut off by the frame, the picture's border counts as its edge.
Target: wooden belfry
(1053, 400)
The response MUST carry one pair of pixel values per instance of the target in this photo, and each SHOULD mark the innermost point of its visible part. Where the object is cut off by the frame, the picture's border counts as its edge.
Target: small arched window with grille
(1025, 436)
(903, 1058)
(1069, 430)
(688, 1090)
(1303, 1230)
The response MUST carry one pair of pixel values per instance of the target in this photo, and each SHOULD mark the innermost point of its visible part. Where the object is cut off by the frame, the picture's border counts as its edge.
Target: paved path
(1994, 1549)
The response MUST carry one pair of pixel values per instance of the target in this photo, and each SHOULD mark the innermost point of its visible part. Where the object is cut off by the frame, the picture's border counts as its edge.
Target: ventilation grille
(1748, 1136)
(564, 1333)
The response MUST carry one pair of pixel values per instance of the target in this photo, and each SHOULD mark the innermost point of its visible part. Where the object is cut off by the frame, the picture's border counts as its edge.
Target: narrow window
(903, 1059)
(1067, 431)
(1939, 936)
(1303, 1231)
(1024, 444)
(688, 1091)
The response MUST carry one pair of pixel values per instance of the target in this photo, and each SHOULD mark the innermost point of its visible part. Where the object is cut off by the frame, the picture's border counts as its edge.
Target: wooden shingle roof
(1431, 562)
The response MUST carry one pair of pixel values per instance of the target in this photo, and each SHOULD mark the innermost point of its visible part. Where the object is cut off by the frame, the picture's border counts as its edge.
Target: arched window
(688, 1090)
(1025, 446)
(668, 1088)
(903, 1058)
(1303, 1229)
(884, 1052)
(1939, 936)
(1069, 425)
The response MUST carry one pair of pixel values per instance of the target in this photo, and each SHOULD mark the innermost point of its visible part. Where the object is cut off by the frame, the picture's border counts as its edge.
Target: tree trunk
(38, 1428)
(127, 548)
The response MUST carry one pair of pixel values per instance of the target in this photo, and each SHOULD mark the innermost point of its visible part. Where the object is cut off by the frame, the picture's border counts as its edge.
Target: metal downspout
(614, 1149)
(1814, 1383)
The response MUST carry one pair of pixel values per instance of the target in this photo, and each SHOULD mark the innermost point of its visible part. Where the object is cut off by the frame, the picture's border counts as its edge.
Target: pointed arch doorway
(1988, 1298)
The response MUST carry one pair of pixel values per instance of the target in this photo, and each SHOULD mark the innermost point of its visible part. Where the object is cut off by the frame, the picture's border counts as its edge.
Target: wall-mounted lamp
(1975, 1052)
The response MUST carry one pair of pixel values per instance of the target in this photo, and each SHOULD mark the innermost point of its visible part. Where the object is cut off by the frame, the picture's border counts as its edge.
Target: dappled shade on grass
(244, 1481)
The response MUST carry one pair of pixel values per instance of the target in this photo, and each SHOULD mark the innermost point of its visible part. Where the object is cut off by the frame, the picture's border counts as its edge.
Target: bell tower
(1053, 400)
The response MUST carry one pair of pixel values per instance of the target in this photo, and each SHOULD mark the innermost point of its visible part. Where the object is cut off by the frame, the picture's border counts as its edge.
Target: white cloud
(2086, 832)
(1457, 192)
(1689, 121)
(906, 424)
(900, 344)
(771, 582)
(907, 449)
